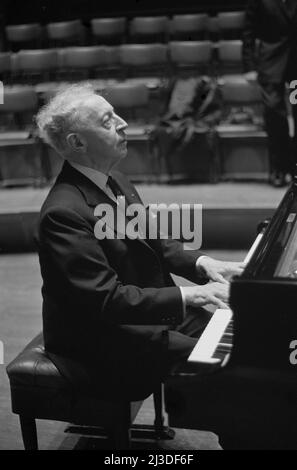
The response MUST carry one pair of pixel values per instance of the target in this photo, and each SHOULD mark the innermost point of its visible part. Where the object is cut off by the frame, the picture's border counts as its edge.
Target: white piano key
(208, 342)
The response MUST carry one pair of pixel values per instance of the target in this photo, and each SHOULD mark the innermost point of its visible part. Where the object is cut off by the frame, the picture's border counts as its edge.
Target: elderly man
(112, 314)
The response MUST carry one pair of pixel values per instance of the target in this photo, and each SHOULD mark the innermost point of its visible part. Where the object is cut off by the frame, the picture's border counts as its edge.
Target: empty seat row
(190, 26)
(128, 94)
(224, 57)
(116, 30)
(130, 101)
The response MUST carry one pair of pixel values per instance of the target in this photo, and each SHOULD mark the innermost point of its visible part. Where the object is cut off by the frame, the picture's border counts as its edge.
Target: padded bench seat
(39, 391)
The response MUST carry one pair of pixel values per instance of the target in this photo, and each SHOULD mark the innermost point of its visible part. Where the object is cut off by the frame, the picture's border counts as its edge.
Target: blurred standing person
(274, 24)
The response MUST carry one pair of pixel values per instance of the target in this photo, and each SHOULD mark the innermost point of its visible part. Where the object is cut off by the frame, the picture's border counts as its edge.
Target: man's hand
(218, 271)
(251, 76)
(213, 293)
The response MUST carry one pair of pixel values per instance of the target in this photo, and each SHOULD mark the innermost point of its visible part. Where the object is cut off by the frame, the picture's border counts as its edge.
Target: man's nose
(121, 123)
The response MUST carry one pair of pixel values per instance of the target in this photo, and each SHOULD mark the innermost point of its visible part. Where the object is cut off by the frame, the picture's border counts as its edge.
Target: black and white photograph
(148, 228)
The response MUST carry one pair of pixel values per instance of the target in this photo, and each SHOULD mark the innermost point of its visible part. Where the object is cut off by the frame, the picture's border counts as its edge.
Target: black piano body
(251, 403)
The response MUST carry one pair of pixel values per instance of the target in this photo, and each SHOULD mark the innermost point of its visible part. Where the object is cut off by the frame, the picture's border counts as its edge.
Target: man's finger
(235, 271)
(220, 303)
(216, 277)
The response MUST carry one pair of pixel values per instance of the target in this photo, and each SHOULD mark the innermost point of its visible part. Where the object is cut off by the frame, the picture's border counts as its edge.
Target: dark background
(20, 11)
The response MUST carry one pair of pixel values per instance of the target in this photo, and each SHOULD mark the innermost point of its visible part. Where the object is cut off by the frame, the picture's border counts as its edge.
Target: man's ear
(76, 142)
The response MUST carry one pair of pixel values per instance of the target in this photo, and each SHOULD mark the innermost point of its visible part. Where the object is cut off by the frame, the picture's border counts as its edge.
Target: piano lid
(275, 257)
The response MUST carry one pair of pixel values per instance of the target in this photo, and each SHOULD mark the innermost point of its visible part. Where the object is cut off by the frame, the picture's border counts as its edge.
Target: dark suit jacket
(103, 308)
(276, 29)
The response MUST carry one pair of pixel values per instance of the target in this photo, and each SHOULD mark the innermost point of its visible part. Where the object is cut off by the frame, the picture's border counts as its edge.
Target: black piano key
(229, 334)
(223, 349)
(224, 346)
(219, 355)
(227, 339)
(229, 328)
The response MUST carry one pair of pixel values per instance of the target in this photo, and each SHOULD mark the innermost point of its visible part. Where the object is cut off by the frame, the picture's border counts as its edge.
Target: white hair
(66, 112)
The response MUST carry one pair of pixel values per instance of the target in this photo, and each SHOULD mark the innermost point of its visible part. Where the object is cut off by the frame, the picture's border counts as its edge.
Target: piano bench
(39, 391)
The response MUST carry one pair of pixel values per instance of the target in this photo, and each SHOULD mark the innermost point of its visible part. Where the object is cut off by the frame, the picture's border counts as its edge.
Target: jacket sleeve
(175, 258)
(182, 262)
(88, 279)
(249, 36)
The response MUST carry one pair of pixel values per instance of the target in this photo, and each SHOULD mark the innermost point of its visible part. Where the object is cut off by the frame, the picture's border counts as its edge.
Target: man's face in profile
(105, 132)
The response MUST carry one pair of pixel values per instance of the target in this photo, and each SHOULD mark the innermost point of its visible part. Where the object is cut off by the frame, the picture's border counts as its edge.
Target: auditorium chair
(65, 33)
(243, 141)
(40, 391)
(81, 62)
(108, 31)
(18, 103)
(190, 27)
(148, 29)
(131, 101)
(20, 162)
(213, 28)
(195, 56)
(144, 60)
(21, 36)
(229, 57)
(231, 24)
(36, 65)
(111, 67)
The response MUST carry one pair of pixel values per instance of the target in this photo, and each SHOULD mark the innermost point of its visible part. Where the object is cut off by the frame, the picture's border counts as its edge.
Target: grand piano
(240, 381)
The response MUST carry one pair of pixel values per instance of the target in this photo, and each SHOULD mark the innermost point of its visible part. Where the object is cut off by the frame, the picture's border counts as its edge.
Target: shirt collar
(97, 177)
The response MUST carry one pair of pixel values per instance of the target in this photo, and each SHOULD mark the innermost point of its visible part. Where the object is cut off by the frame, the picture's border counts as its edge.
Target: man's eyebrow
(107, 113)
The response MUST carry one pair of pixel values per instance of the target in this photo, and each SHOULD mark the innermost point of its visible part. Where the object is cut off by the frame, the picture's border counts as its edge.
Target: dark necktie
(113, 185)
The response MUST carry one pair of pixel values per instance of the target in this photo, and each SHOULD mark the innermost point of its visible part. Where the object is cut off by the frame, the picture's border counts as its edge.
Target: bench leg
(29, 432)
(162, 432)
(158, 404)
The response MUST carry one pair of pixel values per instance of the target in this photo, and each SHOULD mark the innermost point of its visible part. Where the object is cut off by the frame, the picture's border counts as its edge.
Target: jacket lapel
(92, 194)
(132, 198)
(95, 196)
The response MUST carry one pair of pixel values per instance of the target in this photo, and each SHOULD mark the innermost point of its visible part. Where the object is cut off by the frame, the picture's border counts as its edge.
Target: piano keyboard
(215, 344)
